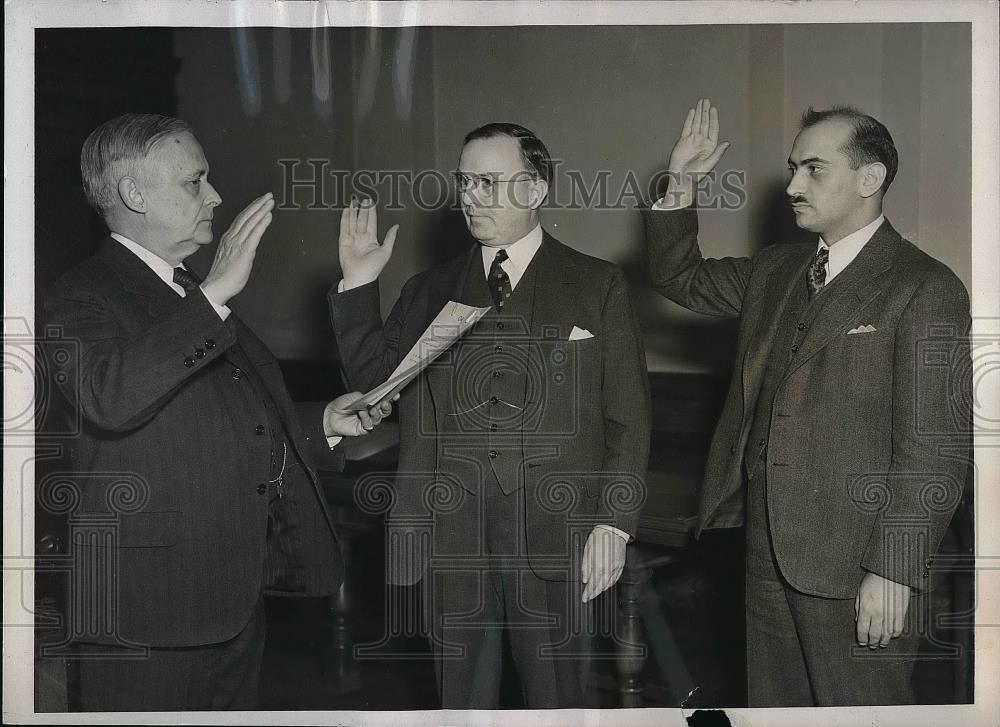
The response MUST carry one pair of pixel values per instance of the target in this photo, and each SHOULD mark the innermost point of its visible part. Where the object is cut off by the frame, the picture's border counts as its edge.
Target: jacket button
(498, 349)
(199, 353)
(494, 399)
(795, 349)
(801, 326)
(761, 442)
(237, 374)
(259, 429)
(494, 454)
(188, 361)
(261, 488)
(493, 426)
(497, 374)
(500, 325)
(209, 343)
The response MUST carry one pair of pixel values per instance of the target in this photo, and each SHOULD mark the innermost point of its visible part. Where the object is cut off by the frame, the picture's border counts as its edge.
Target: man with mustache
(831, 444)
(190, 450)
(522, 449)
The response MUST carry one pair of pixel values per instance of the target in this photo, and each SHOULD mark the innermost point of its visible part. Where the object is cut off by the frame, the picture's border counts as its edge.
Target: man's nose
(212, 198)
(794, 188)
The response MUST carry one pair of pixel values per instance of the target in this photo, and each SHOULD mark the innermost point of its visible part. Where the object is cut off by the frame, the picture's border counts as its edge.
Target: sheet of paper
(449, 325)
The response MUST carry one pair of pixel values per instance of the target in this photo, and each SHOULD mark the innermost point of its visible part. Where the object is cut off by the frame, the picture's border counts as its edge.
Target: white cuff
(333, 440)
(620, 533)
(222, 310)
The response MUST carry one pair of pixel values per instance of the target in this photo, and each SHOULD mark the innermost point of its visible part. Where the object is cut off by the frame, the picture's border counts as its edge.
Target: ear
(872, 176)
(131, 196)
(537, 193)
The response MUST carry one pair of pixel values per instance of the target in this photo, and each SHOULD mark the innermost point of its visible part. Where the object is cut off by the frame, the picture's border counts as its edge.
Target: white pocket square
(869, 328)
(580, 334)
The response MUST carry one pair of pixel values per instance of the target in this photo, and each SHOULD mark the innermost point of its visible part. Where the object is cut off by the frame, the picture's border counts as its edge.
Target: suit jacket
(170, 455)
(869, 434)
(583, 460)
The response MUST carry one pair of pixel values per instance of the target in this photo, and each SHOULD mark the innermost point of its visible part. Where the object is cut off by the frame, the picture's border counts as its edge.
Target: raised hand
(237, 249)
(695, 154)
(362, 258)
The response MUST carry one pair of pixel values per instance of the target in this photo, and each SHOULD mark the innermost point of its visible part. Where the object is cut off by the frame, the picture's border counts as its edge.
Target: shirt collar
(519, 255)
(844, 250)
(154, 262)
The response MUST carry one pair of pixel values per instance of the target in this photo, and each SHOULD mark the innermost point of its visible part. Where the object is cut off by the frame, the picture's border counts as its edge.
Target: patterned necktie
(816, 276)
(499, 282)
(186, 279)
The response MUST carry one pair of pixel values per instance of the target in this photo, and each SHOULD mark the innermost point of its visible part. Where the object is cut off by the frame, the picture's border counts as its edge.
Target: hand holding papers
(449, 325)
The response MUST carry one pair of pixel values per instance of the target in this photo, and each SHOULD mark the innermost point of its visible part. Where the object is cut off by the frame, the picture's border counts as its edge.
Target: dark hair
(112, 149)
(870, 141)
(533, 151)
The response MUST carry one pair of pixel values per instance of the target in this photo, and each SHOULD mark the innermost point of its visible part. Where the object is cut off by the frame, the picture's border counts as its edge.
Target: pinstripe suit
(175, 405)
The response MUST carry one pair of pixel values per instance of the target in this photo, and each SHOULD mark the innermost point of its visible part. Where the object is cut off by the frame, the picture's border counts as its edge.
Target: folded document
(449, 325)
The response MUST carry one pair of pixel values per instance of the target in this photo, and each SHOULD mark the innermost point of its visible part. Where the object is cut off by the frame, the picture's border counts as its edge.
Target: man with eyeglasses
(523, 449)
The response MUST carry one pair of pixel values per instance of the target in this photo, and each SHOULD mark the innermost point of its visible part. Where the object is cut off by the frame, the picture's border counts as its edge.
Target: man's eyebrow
(195, 174)
(810, 160)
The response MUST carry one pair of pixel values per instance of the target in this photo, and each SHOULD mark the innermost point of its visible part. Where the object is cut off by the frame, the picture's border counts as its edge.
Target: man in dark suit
(190, 450)
(845, 453)
(523, 448)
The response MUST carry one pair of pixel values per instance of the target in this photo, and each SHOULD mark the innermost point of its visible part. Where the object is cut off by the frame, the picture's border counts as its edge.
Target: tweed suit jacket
(868, 443)
(170, 450)
(584, 455)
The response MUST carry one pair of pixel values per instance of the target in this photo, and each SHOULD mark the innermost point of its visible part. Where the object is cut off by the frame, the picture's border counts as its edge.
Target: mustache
(798, 199)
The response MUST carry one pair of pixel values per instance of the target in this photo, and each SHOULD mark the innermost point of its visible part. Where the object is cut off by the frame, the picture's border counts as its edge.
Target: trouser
(210, 677)
(548, 626)
(802, 649)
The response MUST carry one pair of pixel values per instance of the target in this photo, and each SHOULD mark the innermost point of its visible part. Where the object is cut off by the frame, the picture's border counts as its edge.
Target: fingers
(361, 223)
(716, 155)
(366, 422)
(347, 222)
(260, 206)
(390, 240)
(861, 627)
(713, 124)
(257, 231)
(688, 121)
(705, 106)
(385, 407)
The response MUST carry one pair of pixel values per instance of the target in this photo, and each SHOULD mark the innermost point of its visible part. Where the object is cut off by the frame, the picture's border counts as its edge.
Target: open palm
(362, 258)
(698, 150)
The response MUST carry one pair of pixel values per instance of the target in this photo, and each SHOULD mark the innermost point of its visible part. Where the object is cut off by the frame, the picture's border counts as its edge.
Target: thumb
(716, 155)
(390, 240)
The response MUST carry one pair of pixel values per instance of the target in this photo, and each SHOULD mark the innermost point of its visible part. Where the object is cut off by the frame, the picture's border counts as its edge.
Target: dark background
(604, 99)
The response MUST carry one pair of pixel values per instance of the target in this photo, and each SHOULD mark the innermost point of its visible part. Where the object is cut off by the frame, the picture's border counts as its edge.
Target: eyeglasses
(484, 184)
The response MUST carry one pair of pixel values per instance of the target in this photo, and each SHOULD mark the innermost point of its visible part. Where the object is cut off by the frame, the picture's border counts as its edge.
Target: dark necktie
(186, 279)
(816, 276)
(499, 282)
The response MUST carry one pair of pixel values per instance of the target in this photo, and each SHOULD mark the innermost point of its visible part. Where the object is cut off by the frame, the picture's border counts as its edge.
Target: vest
(796, 319)
(491, 382)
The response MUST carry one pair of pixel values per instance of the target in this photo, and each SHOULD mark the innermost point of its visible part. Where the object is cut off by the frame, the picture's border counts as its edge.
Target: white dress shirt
(164, 270)
(519, 255)
(844, 250)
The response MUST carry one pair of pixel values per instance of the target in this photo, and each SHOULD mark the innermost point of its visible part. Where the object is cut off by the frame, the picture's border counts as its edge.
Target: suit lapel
(446, 283)
(779, 286)
(137, 279)
(856, 286)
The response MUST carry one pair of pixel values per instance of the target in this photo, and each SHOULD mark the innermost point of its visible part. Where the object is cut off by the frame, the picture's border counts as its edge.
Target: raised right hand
(237, 249)
(362, 258)
(695, 154)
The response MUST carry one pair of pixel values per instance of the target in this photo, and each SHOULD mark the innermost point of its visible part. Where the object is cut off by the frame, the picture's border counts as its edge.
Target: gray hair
(113, 148)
